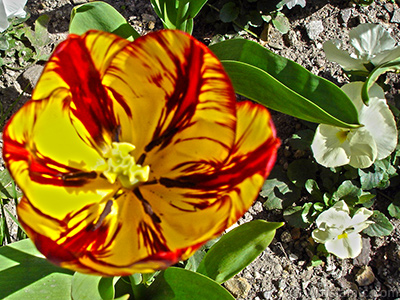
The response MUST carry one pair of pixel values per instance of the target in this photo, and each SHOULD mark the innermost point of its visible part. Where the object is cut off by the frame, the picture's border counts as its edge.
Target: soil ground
(283, 270)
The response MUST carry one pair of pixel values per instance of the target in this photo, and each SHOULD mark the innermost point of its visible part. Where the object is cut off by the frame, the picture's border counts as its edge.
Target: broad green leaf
(394, 207)
(100, 16)
(25, 274)
(278, 190)
(236, 249)
(283, 85)
(179, 284)
(294, 216)
(229, 12)
(381, 225)
(92, 287)
(391, 66)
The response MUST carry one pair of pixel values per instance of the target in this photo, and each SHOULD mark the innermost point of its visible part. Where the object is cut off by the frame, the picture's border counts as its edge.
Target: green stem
(137, 286)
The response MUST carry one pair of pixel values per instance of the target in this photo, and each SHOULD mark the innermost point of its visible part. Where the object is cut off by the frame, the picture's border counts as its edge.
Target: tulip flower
(131, 155)
(359, 147)
(339, 232)
(10, 9)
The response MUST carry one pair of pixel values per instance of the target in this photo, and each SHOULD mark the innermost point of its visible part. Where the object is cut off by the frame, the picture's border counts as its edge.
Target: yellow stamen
(342, 236)
(342, 135)
(122, 165)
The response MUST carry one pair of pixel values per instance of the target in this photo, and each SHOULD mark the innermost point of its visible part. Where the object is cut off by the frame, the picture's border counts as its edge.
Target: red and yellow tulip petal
(207, 203)
(180, 99)
(50, 162)
(77, 66)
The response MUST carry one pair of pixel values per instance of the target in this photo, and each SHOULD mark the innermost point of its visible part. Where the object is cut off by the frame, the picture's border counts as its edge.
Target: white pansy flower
(359, 147)
(10, 9)
(339, 232)
(372, 44)
(291, 3)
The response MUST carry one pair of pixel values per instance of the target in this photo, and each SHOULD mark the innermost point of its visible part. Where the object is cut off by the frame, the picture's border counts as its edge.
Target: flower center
(342, 135)
(122, 165)
(342, 236)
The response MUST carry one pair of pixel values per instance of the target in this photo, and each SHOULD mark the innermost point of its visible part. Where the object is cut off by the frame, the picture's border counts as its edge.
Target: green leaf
(229, 12)
(100, 16)
(281, 23)
(92, 287)
(381, 225)
(302, 139)
(294, 216)
(236, 249)
(41, 34)
(178, 284)
(283, 85)
(7, 188)
(278, 190)
(300, 170)
(394, 207)
(25, 274)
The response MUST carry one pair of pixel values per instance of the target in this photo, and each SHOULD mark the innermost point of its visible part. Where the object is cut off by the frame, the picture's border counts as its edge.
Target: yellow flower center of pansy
(342, 236)
(121, 165)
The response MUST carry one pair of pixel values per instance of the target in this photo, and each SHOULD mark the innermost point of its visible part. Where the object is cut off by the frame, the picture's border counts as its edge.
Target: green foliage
(178, 14)
(248, 15)
(20, 46)
(236, 249)
(307, 96)
(100, 16)
(381, 225)
(177, 283)
(25, 274)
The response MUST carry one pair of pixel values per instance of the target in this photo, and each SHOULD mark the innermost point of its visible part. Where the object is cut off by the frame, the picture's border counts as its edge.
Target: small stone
(31, 76)
(345, 15)
(267, 295)
(76, 2)
(148, 18)
(286, 237)
(238, 286)
(365, 276)
(396, 16)
(314, 29)
(363, 258)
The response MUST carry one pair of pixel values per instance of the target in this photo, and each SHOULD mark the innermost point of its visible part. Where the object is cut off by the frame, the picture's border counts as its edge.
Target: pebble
(365, 276)
(31, 76)
(267, 295)
(345, 15)
(396, 16)
(238, 286)
(314, 29)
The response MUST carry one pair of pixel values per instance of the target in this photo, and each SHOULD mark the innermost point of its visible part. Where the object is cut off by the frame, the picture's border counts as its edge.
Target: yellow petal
(181, 101)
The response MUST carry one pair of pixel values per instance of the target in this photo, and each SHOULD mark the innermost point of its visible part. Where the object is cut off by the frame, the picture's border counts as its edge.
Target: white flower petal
(363, 150)
(359, 221)
(15, 8)
(323, 236)
(334, 53)
(370, 39)
(3, 17)
(386, 56)
(379, 121)
(333, 218)
(346, 247)
(330, 147)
